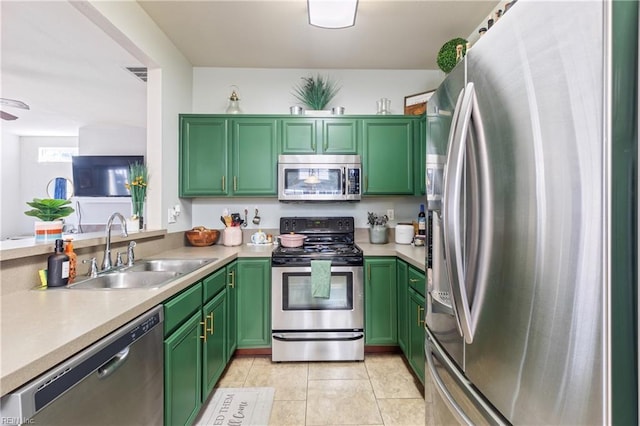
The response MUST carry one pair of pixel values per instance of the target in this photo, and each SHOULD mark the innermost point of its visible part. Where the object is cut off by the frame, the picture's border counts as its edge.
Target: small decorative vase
(48, 231)
(378, 234)
(133, 225)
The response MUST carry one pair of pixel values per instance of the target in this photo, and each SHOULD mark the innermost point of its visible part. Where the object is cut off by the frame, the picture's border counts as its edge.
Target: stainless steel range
(307, 328)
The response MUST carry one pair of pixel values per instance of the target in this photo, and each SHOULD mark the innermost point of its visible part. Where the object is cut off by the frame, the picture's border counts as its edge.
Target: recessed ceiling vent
(139, 72)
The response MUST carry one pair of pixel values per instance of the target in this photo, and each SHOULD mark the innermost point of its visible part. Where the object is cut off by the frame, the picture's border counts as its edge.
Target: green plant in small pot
(316, 92)
(377, 228)
(49, 211)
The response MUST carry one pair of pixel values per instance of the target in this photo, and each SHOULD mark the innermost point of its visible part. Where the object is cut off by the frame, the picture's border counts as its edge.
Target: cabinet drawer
(416, 280)
(213, 284)
(180, 307)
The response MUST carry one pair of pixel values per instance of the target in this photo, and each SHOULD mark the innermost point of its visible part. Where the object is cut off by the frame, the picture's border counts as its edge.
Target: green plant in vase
(139, 177)
(316, 92)
(377, 228)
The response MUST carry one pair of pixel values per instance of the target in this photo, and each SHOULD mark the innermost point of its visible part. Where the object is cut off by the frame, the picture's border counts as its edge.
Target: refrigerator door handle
(441, 388)
(476, 263)
(448, 172)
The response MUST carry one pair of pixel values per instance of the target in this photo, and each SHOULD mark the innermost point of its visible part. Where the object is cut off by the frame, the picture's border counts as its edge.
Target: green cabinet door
(380, 301)
(203, 156)
(416, 333)
(299, 136)
(214, 355)
(388, 156)
(182, 373)
(403, 305)
(254, 303)
(232, 336)
(254, 155)
(340, 136)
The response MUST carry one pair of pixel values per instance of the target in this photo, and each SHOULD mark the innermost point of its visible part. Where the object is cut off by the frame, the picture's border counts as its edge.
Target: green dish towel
(320, 278)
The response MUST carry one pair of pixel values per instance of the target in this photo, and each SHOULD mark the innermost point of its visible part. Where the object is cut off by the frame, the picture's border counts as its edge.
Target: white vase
(133, 225)
(378, 234)
(49, 231)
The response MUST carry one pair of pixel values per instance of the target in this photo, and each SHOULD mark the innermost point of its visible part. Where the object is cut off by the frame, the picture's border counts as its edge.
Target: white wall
(10, 188)
(268, 91)
(168, 94)
(33, 178)
(105, 139)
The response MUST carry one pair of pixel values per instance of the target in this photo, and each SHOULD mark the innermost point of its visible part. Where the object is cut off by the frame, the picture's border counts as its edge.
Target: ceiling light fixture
(332, 13)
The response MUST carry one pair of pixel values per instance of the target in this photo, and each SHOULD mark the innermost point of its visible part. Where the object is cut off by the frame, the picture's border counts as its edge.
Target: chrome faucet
(106, 262)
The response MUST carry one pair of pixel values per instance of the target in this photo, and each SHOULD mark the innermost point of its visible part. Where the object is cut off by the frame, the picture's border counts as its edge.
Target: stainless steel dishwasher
(117, 380)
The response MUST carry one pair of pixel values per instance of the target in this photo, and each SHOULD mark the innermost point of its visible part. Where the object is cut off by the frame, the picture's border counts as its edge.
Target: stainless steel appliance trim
(344, 162)
(306, 336)
(432, 348)
(322, 318)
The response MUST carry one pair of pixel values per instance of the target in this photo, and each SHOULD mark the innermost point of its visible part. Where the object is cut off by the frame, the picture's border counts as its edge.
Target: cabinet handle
(325, 146)
(369, 272)
(420, 320)
(232, 283)
(313, 145)
(210, 316)
(204, 330)
(413, 280)
(224, 182)
(235, 183)
(366, 183)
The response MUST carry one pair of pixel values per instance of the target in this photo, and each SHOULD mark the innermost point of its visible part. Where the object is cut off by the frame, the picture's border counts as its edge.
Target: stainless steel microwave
(319, 177)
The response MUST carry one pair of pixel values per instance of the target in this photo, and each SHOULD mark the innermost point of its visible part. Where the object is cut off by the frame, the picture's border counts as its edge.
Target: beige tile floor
(379, 391)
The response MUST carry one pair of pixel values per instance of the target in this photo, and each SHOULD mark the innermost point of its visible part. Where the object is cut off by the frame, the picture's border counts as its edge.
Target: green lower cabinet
(214, 354)
(253, 289)
(416, 333)
(380, 301)
(403, 305)
(182, 373)
(232, 320)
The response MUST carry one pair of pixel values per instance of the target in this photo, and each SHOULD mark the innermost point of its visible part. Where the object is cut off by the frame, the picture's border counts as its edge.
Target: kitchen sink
(147, 274)
(170, 265)
(127, 280)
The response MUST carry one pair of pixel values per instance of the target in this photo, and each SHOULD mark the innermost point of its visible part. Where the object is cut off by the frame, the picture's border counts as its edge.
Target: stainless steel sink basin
(127, 280)
(170, 265)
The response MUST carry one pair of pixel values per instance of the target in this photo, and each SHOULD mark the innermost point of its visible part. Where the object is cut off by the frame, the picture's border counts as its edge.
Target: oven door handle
(318, 337)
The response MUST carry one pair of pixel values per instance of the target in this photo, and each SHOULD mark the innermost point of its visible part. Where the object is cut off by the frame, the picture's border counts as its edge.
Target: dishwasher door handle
(109, 367)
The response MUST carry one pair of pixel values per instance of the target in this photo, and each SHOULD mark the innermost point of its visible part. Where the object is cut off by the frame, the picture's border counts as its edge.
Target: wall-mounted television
(102, 175)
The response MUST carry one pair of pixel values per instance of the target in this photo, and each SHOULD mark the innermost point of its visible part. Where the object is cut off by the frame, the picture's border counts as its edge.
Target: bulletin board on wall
(416, 104)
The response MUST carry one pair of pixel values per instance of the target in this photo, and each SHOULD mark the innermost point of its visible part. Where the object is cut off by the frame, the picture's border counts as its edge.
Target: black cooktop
(330, 238)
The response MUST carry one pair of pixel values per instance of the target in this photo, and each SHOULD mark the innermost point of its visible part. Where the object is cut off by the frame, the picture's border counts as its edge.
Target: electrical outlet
(391, 214)
(171, 216)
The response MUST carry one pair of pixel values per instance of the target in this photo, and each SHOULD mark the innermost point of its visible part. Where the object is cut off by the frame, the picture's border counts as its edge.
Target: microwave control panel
(353, 181)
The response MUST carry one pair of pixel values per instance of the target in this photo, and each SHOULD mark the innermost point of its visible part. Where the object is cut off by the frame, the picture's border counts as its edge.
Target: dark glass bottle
(422, 221)
(58, 267)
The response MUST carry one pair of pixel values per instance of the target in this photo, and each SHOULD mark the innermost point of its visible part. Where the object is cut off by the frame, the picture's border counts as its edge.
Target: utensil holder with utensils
(232, 236)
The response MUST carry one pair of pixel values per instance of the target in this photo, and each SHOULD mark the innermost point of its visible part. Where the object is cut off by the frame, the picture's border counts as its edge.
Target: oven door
(295, 309)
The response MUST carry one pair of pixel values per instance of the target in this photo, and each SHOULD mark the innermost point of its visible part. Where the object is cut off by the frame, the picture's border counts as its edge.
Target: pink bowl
(292, 240)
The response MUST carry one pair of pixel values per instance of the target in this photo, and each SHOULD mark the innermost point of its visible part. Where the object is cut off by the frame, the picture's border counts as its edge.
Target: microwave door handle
(344, 180)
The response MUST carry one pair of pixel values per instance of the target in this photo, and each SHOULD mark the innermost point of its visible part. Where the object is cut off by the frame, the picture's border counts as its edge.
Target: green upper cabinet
(319, 136)
(388, 158)
(254, 153)
(224, 156)
(203, 156)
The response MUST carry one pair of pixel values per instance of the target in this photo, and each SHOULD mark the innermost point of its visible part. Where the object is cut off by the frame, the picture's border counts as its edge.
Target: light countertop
(41, 328)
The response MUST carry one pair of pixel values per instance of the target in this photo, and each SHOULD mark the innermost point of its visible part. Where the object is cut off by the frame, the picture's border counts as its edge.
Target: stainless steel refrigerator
(532, 193)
